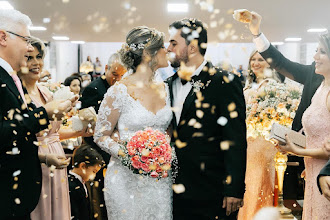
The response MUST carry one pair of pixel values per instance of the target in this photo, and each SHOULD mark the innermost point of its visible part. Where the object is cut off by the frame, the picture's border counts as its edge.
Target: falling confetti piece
(231, 107)
(25, 70)
(180, 144)
(199, 113)
(192, 122)
(42, 121)
(16, 173)
(202, 166)
(197, 125)
(233, 114)
(15, 186)
(222, 121)
(228, 180)
(17, 201)
(178, 188)
(224, 145)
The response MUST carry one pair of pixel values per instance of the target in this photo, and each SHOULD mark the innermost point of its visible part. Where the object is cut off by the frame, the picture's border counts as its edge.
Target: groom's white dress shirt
(180, 92)
(262, 43)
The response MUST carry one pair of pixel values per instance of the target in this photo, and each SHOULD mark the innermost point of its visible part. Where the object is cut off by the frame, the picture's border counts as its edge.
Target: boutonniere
(197, 85)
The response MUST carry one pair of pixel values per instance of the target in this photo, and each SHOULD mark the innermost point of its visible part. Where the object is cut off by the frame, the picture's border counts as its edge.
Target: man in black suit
(20, 120)
(304, 74)
(209, 130)
(93, 96)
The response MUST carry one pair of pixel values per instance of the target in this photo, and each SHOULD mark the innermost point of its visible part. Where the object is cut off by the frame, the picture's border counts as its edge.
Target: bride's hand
(115, 135)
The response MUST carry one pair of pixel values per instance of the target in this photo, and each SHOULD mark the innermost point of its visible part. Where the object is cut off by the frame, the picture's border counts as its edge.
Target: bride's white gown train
(128, 195)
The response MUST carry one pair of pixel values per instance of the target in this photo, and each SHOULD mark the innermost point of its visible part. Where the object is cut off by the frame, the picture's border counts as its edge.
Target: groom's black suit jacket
(18, 128)
(203, 165)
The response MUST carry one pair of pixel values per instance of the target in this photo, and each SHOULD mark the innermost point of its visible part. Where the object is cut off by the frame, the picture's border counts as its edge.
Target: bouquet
(86, 118)
(148, 152)
(275, 102)
(86, 67)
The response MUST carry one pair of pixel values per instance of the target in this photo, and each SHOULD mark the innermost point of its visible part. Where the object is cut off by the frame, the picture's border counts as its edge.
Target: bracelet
(258, 35)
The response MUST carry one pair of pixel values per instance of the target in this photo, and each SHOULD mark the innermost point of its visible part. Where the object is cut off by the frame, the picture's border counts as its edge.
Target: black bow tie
(183, 81)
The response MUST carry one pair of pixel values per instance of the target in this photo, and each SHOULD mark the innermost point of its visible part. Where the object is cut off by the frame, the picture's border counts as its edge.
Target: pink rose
(145, 167)
(144, 159)
(154, 174)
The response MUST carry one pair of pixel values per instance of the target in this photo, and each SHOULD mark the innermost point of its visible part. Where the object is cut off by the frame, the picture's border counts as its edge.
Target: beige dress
(54, 202)
(260, 172)
(316, 124)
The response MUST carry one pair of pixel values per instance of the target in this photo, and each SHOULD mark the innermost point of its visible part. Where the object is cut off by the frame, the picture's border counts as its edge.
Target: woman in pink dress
(54, 202)
(316, 124)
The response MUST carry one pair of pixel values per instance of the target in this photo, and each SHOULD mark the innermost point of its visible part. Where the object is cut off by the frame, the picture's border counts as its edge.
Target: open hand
(232, 204)
(58, 161)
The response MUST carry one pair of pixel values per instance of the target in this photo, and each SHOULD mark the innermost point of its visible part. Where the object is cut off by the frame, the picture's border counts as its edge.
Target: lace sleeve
(107, 119)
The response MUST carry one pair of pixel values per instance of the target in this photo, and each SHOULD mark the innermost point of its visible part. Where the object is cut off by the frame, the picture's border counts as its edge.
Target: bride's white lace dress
(128, 195)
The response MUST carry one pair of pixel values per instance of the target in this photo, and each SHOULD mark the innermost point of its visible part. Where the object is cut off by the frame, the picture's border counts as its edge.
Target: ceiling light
(37, 28)
(5, 5)
(60, 38)
(78, 42)
(316, 30)
(293, 39)
(277, 43)
(46, 20)
(183, 7)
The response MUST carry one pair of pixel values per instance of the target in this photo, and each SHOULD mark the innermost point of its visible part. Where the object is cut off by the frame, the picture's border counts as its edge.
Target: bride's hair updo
(137, 40)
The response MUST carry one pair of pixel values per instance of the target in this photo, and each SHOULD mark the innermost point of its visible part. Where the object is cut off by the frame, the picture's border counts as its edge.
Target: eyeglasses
(28, 40)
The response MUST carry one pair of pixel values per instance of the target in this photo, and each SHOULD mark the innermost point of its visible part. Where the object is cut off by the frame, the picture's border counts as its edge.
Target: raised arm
(275, 58)
(107, 119)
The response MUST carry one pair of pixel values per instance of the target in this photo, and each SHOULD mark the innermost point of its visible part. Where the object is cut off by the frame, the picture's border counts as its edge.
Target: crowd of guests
(33, 116)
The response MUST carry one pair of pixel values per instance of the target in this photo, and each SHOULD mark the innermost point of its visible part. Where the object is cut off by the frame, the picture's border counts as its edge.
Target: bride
(133, 104)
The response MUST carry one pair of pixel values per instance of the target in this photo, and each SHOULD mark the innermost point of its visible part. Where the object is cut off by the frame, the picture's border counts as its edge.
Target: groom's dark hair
(194, 25)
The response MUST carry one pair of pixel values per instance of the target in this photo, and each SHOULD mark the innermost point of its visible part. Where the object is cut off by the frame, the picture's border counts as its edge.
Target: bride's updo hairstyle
(137, 40)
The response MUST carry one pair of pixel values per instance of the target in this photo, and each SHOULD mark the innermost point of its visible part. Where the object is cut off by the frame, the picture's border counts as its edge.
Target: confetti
(202, 166)
(233, 114)
(222, 121)
(231, 107)
(180, 144)
(197, 125)
(224, 145)
(17, 201)
(15, 186)
(199, 113)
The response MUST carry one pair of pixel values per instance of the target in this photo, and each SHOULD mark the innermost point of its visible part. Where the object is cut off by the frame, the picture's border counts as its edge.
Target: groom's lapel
(191, 97)
(170, 86)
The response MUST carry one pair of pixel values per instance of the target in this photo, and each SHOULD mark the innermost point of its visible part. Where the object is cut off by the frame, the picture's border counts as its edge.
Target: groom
(209, 130)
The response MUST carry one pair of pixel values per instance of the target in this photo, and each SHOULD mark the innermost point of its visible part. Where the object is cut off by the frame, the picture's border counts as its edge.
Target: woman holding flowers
(130, 106)
(260, 170)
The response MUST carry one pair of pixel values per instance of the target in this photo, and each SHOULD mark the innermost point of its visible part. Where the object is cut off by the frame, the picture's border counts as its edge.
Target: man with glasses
(20, 121)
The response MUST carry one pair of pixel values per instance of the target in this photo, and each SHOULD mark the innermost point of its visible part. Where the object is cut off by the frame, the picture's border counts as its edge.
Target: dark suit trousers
(184, 209)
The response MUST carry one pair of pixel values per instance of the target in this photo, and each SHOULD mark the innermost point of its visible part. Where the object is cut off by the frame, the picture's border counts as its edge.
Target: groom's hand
(231, 204)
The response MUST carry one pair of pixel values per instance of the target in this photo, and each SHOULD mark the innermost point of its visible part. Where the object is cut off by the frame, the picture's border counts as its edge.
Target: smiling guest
(313, 113)
(56, 204)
